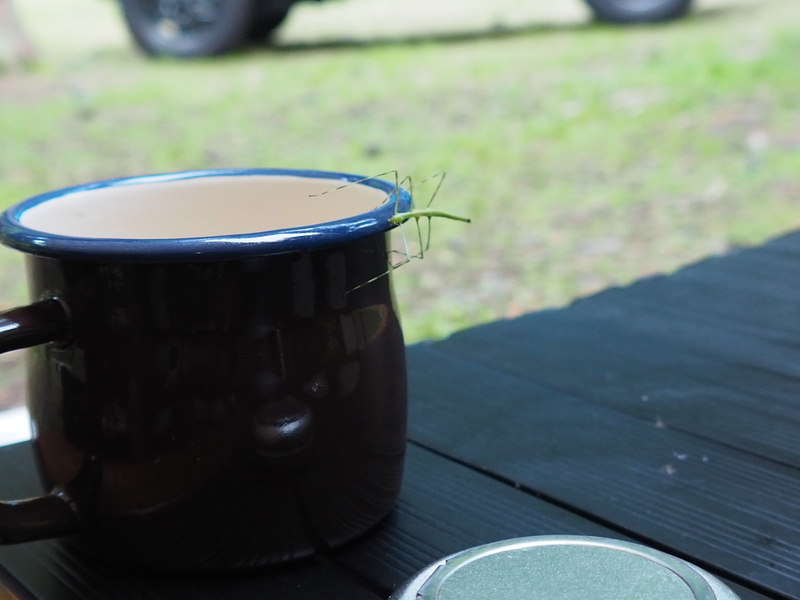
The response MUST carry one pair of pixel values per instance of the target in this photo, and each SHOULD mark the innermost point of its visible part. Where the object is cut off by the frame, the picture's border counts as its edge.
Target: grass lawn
(587, 155)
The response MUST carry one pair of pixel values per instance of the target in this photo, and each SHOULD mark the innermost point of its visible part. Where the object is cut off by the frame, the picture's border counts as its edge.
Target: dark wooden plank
(664, 381)
(748, 310)
(445, 507)
(704, 339)
(788, 243)
(50, 572)
(745, 269)
(622, 415)
(691, 496)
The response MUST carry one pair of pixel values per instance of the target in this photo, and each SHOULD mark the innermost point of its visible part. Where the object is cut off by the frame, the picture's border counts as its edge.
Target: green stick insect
(400, 218)
(422, 213)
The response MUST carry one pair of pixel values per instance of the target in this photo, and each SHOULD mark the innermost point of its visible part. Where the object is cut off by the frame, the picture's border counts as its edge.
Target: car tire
(188, 28)
(269, 15)
(639, 11)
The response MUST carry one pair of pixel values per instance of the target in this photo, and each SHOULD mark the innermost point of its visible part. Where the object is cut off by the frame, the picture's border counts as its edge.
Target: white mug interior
(200, 207)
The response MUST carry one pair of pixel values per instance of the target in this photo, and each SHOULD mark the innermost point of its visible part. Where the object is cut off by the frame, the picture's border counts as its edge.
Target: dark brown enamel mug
(211, 384)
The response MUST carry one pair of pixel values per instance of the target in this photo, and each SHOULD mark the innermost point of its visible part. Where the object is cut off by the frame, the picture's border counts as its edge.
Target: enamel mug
(217, 371)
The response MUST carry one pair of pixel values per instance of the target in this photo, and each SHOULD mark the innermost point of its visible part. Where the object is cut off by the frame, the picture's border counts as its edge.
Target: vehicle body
(194, 28)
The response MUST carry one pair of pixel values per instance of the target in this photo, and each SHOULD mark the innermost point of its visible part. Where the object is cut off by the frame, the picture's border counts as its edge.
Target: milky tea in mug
(211, 385)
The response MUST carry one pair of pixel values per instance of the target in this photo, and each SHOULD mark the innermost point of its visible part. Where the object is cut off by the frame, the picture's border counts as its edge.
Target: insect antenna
(399, 219)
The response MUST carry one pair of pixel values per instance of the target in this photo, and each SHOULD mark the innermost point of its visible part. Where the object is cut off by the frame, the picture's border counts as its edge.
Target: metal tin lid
(563, 568)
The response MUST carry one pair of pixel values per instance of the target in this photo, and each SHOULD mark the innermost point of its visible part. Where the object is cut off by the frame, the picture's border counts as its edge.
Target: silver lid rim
(426, 584)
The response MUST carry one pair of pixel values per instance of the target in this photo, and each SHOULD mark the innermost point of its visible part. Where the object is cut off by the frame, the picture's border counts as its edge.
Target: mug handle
(54, 514)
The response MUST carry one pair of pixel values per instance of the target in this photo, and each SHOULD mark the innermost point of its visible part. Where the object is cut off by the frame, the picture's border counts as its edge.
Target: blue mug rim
(279, 241)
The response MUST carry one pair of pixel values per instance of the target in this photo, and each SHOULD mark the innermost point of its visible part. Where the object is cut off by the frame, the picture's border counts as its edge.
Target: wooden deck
(667, 413)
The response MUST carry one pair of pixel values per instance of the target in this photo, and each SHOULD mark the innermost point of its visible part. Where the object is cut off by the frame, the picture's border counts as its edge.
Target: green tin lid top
(563, 568)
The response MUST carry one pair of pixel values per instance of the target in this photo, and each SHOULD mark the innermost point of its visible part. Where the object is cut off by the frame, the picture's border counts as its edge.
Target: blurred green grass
(587, 155)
